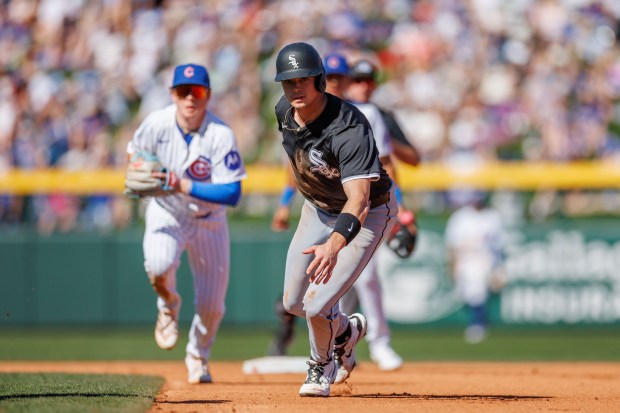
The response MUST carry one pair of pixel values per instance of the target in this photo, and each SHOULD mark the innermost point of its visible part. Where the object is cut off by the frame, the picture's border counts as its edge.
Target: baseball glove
(139, 178)
(402, 239)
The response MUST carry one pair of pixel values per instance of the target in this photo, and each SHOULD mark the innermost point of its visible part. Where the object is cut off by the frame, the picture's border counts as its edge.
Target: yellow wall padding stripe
(271, 179)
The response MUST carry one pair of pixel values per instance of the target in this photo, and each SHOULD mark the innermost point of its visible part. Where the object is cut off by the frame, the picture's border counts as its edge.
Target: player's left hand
(145, 176)
(403, 238)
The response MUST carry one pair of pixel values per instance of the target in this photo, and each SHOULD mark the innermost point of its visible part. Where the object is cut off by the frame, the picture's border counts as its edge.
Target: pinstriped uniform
(179, 222)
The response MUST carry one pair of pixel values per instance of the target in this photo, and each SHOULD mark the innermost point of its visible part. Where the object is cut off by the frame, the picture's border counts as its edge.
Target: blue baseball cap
(190, 74)
(336, 64)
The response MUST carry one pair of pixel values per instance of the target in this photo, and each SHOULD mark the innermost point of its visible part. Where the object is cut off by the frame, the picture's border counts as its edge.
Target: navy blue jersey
(336, 147)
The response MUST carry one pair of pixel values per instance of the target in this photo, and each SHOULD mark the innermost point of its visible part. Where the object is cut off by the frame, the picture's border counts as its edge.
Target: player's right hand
(280, 221)
(325, 258)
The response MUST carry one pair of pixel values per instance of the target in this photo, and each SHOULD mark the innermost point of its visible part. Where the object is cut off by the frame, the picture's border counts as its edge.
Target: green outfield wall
(558, 272)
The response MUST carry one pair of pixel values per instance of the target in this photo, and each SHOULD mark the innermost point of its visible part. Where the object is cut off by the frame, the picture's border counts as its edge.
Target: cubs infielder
(349, 209)
(203, 173)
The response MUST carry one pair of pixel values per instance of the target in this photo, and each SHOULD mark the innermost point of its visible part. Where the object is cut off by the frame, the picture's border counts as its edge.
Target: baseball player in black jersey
(348, 211)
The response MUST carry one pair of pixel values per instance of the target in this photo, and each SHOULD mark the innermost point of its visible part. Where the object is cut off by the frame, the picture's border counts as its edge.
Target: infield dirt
(418, 387)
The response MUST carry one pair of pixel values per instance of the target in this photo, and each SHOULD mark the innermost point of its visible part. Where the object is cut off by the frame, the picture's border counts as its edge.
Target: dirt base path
(418, 387)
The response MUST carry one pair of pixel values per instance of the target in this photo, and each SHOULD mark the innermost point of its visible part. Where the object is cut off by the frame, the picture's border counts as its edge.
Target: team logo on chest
(200, 170)
(319, 165)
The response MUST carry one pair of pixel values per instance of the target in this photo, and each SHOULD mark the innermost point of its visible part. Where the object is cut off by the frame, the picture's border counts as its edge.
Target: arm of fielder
(227, 194)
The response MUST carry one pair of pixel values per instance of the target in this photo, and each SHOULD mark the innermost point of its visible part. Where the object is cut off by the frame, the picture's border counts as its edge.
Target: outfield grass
(419, 344)
(56, 392)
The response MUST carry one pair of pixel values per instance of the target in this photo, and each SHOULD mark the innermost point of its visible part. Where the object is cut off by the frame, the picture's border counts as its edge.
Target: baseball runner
(367, 289)
(349, 209)
(337, 79)
(196, 172)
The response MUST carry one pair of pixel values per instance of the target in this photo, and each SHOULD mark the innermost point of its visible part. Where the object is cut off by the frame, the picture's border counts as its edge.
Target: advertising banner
(557, 275)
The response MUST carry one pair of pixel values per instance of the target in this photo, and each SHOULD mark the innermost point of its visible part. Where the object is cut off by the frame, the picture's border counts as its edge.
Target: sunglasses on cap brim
(199, 92)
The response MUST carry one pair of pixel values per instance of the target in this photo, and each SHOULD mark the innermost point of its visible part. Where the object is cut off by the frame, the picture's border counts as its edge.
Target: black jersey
(336, 147)
(393, 127)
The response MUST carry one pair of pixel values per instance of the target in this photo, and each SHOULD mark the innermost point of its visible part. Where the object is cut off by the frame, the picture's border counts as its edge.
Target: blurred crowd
(469, 80)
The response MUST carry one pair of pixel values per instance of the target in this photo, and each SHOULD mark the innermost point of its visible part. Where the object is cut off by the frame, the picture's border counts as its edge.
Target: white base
(275, 365)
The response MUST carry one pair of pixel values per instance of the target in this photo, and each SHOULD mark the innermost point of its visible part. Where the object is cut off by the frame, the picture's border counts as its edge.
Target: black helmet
(363, 69)
(300, 60)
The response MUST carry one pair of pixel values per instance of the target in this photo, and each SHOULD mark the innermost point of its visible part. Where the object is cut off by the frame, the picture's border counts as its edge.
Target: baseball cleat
(385, 357)
(344, 347)
(197, 370)
(167, 325)
(318, 379)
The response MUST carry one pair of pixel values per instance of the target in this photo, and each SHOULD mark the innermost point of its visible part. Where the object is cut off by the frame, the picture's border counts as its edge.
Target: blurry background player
(363, 83)
(475, 242)
(367, 289)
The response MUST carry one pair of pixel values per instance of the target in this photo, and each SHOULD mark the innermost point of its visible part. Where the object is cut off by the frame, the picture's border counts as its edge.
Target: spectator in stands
(543, 87)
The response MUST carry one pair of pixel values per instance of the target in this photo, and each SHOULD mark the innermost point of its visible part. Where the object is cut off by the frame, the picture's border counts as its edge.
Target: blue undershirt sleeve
(398, 195)
(287, 196)
(228, 194)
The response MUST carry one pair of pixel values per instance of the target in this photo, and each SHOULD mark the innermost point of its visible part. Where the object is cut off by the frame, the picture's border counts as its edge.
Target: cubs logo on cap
(190, 74)
(336, 64)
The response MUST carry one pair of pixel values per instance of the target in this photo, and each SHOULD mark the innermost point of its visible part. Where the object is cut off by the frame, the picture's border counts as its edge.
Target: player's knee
(312, 310)
(293, 307)
(158, 267)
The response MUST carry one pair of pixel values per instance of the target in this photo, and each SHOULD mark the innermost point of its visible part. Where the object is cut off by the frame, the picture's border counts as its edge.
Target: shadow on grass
(194, 402)
(52, 395)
